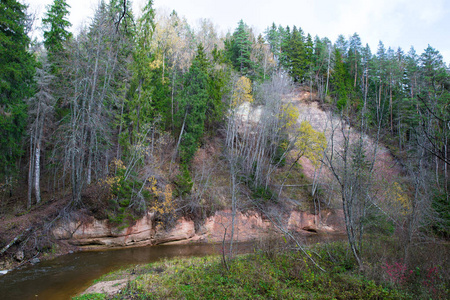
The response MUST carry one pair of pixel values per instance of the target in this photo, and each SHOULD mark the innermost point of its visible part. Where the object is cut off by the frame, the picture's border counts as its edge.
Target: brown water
(69, 275)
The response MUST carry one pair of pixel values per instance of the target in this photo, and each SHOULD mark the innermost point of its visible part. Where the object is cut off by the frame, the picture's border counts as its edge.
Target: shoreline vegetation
(274, 270)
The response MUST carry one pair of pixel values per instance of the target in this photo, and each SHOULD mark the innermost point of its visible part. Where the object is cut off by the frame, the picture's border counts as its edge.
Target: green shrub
(183, 182)
(95, 296)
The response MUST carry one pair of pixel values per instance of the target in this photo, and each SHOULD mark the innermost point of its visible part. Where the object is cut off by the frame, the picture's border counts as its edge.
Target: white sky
(403, 23)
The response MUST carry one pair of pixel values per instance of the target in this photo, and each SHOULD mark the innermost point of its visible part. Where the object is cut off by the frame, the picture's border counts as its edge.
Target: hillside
(208, 203)
(142, 129)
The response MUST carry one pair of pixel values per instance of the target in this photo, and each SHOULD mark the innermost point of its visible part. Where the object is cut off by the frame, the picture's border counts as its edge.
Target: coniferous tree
(94, 69)
(297, 55)
(321, 62)
(239, 49)
(16, 84)
(340, 80)
(193, 105)
(139, 109)
(342, 45)
(354, 57)
(56, 27)
(433, 108)
(273, 37)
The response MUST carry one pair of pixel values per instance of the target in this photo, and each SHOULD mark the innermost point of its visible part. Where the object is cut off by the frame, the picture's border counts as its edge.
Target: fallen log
(14, 240)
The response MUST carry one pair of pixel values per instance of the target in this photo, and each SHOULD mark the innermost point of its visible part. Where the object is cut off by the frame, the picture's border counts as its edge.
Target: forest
(112, 120)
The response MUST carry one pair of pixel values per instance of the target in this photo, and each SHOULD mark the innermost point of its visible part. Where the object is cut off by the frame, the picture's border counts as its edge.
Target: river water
(69, 275)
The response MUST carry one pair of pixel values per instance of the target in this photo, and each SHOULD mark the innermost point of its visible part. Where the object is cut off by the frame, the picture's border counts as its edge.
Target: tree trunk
(328, 71)
(30, 173)
(37, 174)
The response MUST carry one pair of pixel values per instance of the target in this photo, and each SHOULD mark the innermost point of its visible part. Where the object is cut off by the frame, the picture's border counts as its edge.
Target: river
(68, 275)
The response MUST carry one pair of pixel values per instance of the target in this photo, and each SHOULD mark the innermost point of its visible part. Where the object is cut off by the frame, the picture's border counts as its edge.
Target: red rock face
(247, 226)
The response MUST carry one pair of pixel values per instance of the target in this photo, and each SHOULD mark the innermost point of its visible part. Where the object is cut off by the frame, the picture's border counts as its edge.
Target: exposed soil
(31, 229)
(386, 170)
(109, 288)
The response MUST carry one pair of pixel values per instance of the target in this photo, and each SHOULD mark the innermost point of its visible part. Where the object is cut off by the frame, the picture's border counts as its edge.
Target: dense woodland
(92, 109)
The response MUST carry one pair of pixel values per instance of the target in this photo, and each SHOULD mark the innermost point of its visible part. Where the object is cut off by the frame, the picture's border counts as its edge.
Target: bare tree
(253, 135)
(92, 69)
(40, 110)
(351, 162)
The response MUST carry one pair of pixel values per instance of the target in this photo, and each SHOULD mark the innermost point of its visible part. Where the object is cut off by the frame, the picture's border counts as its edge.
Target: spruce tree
(273, 37)
(17, 69)
(56, 27)
(240, 49)
(297, 55)
(193, 105)
(340, 80)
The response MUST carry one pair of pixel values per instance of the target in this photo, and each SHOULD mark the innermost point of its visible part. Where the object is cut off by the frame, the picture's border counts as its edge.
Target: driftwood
(14, 240)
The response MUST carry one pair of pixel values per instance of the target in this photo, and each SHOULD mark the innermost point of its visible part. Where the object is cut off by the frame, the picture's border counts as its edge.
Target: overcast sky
(403, 23)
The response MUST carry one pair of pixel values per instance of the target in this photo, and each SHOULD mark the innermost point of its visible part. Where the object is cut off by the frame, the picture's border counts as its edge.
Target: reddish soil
(31, 242)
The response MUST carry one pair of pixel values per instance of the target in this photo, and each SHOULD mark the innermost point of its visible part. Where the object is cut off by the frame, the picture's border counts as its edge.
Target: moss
(279, 275)
(95, 296)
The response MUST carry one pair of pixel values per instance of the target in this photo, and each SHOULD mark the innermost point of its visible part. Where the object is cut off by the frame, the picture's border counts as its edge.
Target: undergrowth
(267, 273)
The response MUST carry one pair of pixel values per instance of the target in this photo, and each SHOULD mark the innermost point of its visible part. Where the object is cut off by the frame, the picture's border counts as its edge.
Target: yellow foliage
(310, 143)
(242, 91)
(155, 64)
(400, 198)
(114, 182)
(163, 198)
(289, 114)
(119, 164)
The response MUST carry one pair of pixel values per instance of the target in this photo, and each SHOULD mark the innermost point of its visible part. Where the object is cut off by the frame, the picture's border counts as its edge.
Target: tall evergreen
(273, 37)
(239, 49)
(354, 57)
(193, 105)
(141, 104)
(56, 27)
(16, 83)
(340, 80)
(297, 54)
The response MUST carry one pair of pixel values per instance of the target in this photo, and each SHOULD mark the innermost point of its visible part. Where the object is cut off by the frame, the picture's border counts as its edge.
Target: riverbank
(272, 272)
(69, 275)
(88, 233)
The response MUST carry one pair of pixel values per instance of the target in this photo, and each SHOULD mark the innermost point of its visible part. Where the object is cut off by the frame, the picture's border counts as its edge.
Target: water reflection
(71, 274)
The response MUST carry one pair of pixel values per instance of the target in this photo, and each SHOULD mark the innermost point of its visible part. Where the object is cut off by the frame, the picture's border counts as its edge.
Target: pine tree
(434, 106)
(285, 39)
(297, 54)
(239, 49)
(342, 44)
(193, 105)
(340, 80)
(56, 27)
(320, 63)
(16, 83)
(354, 57)
(145, 76)
(273, 37)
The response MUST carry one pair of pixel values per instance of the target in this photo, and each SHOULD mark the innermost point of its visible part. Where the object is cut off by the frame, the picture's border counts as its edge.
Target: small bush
(95, 296)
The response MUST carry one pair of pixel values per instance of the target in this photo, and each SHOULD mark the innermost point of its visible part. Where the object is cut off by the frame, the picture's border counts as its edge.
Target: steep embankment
(211, 189)
(250, 225)
(98, 234)
(386, 172)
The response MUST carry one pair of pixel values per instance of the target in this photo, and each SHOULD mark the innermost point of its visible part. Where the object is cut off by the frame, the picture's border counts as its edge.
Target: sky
(397, 23)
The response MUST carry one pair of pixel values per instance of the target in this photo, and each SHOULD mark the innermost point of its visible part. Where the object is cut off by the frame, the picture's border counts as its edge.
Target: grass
(271, 273)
